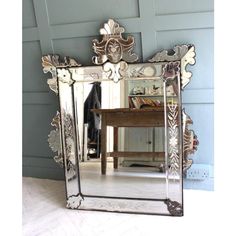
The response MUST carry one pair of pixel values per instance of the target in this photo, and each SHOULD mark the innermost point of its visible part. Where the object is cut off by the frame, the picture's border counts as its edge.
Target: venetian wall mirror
(121, 133)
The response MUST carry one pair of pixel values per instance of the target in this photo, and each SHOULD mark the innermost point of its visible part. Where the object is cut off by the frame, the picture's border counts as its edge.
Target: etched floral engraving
(171, 70)
(69, 146)
(54, 139)
(124, 205)
(141, 71)
(173, 138)
(55, 144)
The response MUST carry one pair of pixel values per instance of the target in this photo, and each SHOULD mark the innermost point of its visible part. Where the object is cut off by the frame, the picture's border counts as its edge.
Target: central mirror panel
(124, 134)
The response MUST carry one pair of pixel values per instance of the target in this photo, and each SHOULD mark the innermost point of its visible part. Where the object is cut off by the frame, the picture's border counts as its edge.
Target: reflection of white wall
(81, 92)
(112, 95)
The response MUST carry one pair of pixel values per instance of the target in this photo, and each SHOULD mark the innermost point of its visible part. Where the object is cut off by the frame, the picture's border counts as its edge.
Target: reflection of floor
(44, 213)
(135, 182)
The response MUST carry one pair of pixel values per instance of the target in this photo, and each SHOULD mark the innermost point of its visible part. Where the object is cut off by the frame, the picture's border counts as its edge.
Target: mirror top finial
(113, 47)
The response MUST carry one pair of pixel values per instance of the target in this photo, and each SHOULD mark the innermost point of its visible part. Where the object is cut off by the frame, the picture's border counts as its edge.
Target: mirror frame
(66, 139)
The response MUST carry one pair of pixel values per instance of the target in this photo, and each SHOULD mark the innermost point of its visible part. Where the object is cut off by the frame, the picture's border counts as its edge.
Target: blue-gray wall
(67, 28)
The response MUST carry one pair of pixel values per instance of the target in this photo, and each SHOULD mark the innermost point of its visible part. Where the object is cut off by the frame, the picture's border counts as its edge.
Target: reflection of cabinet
(144, 139)
(142, 94)
(146, 93)
(125, 117)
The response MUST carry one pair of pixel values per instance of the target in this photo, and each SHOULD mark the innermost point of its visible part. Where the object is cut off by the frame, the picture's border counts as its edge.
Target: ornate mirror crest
(113, 57)
(114, 50)
(113, 47)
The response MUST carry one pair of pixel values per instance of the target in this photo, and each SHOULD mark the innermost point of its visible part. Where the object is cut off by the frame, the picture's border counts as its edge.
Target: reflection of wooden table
(126, 117)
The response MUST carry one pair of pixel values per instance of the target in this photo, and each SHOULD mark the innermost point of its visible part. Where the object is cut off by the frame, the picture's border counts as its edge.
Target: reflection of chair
(92, 122)
(94, 147)
(125, 117)
(91, 149)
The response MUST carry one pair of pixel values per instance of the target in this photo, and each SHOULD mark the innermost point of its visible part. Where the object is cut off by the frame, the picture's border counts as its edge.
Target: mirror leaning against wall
(121, 133)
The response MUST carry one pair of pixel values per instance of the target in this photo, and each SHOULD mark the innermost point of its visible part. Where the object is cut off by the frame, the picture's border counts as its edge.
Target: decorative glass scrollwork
(54, 140)
(50, 64)
(113, 47)
(183, 53)
(115, 71)
(74, 202)
(190, 141)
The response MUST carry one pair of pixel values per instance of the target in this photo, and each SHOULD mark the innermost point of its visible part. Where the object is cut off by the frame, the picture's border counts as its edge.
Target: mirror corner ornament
(171, 70)
(50, 63)
(183, 53)
(64, 76)
(174, 207)
(74, 201)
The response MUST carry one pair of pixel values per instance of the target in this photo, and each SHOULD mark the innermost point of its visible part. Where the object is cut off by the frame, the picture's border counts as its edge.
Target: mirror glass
(122, 139)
